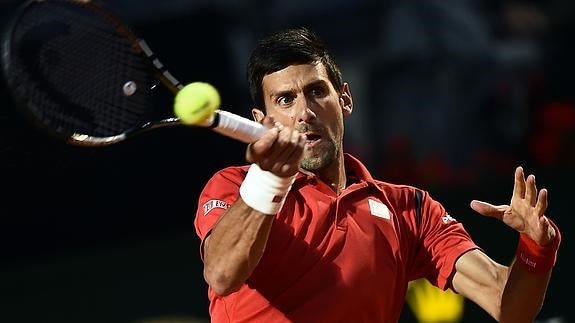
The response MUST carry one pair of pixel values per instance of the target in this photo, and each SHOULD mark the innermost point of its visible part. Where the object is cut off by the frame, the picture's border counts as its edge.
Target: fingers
(286, 158)
(262, 145)
(526, 188)
(546, 226)
(541, 205)
(526, 211)
(530, 190)
(487, 209)
(519, 185)
(290, 157)
(278, 151)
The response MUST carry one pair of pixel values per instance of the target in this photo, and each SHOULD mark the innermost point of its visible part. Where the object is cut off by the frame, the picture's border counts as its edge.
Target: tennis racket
(78, 73)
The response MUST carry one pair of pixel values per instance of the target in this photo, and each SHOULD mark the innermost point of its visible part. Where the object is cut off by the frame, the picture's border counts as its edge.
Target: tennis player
(304, 233)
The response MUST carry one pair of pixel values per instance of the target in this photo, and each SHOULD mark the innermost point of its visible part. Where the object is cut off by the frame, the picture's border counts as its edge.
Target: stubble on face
(319, 156)
(320, 153)
(316, 159)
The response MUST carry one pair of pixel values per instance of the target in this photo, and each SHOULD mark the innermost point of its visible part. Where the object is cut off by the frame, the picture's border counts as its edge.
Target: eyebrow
(319, 82)
(316, 83)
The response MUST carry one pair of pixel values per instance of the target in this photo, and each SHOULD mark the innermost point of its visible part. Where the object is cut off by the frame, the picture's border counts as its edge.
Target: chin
(316, 159)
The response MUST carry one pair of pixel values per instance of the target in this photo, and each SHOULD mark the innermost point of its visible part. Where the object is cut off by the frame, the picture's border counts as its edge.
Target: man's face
(301, 96)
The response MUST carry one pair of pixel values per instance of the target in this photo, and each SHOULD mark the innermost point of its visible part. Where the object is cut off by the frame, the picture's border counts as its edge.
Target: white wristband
(264, 191)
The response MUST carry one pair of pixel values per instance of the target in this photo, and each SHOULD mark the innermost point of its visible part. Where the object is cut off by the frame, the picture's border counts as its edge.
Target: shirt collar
(354, 169)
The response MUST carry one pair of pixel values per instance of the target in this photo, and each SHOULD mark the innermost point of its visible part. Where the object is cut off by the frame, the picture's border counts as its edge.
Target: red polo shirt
(330, 258)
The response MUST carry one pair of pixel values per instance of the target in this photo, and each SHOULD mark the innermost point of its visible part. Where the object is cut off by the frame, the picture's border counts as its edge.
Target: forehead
(294, 76)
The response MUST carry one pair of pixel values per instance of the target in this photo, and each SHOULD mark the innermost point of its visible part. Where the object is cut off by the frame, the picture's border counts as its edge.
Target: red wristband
(535, 258)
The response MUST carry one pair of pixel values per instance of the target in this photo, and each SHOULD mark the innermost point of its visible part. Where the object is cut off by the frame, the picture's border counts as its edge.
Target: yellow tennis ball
(196, 102)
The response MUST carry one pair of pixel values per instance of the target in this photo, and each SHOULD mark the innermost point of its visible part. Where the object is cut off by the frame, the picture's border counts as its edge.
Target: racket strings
(78, 72)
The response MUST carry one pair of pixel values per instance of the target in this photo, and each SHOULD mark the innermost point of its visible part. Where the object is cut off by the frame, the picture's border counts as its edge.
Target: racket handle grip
(237, 127)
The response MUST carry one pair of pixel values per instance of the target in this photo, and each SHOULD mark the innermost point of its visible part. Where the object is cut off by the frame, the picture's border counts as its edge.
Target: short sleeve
(219, 193)
(443, 241)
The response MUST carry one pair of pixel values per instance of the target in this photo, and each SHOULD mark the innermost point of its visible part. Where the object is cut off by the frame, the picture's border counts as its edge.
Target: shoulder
(401, 192)
(234, 174)
(414, 203)
(233, 171)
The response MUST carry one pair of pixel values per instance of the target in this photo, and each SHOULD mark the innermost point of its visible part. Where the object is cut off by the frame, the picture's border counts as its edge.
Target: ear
(346, 100)
(258, 114)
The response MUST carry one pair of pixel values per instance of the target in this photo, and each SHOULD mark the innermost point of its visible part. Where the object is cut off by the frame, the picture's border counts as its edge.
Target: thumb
(487, 209)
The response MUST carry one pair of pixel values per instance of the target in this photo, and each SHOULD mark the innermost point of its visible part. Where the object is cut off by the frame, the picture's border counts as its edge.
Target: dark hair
(284, 48)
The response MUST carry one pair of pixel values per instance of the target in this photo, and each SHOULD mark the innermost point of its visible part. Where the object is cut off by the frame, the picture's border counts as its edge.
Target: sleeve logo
(214, 204)
(447, 218)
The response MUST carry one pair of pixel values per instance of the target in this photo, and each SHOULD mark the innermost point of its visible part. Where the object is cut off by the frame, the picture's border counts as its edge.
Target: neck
(337, 188)
(334, 176)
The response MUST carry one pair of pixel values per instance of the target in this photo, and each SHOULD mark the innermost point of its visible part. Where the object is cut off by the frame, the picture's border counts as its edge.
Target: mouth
(312, 139)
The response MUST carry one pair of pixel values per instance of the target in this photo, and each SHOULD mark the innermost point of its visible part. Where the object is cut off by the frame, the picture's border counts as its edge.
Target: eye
(318, 92)
(285, 100)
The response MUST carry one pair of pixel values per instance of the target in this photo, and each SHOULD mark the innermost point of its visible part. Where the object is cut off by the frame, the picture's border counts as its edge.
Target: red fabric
(331, 258)
(535, 258)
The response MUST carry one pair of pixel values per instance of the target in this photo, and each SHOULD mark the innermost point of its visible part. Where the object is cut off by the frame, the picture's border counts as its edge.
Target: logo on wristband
(527, 261)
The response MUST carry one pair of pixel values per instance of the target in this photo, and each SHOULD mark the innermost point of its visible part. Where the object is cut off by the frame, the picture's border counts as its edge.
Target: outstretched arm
(237, 241)
(513, 293)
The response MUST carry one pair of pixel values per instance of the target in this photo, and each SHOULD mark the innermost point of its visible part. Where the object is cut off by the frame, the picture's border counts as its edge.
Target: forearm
(523, 294)
(235, 247)
(528, 279)
(238, 239)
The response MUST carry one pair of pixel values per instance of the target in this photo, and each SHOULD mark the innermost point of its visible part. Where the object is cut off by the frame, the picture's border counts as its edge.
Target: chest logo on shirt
(214, 204)
(378, 209)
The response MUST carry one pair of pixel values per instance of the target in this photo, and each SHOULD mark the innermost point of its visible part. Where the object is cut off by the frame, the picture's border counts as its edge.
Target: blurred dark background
(450, 95)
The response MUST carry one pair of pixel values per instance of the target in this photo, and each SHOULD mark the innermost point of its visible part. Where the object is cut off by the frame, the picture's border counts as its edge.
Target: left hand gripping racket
(79, 73)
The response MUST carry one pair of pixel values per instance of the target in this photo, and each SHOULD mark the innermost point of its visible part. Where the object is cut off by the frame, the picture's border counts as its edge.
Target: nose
(305, 112)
